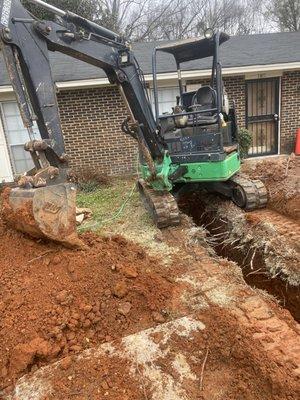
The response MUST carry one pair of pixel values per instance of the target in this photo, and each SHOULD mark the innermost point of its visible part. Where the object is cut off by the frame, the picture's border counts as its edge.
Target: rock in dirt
(82, 214)
(124, 308)
(79, 219)
(87, 212)
(158, 317)
(120, 290)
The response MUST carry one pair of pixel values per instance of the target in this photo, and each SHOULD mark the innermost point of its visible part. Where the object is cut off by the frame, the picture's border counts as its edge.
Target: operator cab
(202, 126)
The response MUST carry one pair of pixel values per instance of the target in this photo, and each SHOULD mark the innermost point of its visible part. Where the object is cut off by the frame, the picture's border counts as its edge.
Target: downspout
(218, 73)
(179, 79)
(155, 90)
(219, 85)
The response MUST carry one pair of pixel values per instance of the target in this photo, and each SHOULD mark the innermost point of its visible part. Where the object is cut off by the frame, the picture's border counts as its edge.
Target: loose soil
(218, 361)
(56, 302)
(282, 179)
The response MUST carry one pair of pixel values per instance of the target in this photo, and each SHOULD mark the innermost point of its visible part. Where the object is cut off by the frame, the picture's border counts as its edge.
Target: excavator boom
(44, 204)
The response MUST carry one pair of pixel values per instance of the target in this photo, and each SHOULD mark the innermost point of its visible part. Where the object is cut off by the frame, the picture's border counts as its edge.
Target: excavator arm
(25, 43)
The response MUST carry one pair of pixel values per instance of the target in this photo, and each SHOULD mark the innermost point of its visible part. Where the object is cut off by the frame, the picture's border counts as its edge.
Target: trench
(252, 265)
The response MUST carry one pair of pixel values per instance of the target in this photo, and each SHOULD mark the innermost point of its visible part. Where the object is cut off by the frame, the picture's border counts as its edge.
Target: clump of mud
(56, 302)
(282, 179)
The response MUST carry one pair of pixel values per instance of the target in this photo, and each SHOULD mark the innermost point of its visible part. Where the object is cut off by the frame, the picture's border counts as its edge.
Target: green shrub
(244, 140)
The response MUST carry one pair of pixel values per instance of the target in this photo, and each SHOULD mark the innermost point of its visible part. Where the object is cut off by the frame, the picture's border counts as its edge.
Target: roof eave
(191, 74)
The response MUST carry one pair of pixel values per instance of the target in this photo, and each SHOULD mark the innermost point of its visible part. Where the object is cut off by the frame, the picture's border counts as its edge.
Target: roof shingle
(239, 51)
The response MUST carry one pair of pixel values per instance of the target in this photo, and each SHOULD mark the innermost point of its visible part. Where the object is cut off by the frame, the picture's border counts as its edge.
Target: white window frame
(4, 126)
(6, 161)
(167, 86)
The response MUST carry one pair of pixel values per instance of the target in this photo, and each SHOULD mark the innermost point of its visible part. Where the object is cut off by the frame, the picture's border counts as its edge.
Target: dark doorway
(262, 115)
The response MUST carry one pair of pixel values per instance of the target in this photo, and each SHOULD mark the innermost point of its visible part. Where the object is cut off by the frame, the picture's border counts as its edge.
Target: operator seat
(205, 98)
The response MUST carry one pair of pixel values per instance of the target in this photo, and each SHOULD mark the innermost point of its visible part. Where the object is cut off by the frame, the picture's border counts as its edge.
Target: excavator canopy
(192, 49)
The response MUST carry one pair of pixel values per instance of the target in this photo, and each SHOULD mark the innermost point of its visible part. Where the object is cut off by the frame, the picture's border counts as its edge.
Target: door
(17, 135)
(262, 108)
(5, 167)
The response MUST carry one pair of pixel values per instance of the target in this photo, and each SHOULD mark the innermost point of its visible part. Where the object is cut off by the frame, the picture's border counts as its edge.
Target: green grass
(109, 204)
(117, 209)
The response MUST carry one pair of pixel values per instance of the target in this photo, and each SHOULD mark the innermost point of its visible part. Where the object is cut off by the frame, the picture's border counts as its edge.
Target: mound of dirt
(282, 179)
(56, 302)
(209, 355)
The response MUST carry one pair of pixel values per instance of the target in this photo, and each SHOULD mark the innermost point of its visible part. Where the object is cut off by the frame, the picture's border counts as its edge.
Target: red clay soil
(55, 302)
(282, 179)
(224, 359)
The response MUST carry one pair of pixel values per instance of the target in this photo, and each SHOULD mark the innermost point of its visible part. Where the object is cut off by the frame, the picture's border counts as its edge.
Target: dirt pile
(207, 355)
(282, 179)
(56, 302)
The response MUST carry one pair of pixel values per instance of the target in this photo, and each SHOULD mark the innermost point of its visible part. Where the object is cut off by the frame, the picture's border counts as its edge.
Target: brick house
(261, 74)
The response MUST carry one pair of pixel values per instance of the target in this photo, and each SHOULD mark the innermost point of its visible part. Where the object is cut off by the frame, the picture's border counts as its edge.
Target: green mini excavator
(191, 147)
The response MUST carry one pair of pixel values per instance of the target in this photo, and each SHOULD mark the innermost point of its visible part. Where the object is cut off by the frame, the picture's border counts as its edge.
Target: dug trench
(263, 243)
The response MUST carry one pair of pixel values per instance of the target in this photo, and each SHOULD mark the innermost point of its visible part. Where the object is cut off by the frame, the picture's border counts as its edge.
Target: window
(17, 135)
(166, 99)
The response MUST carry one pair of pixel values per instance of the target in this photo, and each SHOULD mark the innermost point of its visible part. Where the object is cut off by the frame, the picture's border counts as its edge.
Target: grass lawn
(117, 209)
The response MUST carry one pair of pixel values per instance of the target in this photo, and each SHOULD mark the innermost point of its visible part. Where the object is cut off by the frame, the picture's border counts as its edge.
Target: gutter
(194, 74)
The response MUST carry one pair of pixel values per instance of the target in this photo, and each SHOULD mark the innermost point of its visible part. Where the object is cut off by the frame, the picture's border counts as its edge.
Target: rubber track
(255, 190)
(161, 205)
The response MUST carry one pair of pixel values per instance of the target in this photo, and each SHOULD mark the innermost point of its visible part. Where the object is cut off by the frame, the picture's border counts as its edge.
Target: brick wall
(91, 120)
(235, 87)
(290, 110)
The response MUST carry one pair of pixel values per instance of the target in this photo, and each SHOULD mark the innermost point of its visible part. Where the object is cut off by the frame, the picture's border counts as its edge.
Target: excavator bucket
(47, 212)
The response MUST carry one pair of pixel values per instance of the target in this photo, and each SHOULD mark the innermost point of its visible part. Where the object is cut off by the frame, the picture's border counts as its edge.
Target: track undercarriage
(163, 208)
(161, 205)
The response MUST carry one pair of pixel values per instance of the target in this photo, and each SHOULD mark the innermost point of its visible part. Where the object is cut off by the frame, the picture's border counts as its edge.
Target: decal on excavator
(5, 12)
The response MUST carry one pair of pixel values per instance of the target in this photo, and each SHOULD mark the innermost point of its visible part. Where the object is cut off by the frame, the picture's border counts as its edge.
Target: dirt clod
(158, 317)
(124, 308)
(66, 363)
(23, 355)
(130, 271)
(120, 289)
(282, 179)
